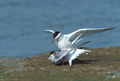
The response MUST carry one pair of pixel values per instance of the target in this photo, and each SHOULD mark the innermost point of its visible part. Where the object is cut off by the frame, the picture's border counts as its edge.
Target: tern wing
(75, 53)
(81, 33)
(50, 31)
(61, 55)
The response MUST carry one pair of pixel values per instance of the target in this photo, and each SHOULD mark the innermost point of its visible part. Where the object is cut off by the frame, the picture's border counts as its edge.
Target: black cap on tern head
(52, 52)
(55, 34)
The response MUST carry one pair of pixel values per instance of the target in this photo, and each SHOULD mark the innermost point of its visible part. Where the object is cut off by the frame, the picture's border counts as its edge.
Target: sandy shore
(99, 65)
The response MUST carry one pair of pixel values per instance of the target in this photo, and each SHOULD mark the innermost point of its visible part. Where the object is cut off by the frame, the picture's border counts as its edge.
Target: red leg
(63, 64)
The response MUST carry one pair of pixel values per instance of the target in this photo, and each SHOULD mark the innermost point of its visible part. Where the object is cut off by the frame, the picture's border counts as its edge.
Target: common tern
(65, 41)
(70, 54)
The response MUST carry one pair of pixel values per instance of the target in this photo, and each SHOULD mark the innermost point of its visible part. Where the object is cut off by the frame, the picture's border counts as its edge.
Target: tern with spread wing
(65, 41)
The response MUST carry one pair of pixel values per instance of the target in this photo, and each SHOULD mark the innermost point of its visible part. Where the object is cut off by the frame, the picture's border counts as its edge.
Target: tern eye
(55, 34)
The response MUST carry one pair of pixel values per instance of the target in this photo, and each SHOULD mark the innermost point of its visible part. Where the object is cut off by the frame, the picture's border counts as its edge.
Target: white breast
(63, 43)
(51, 57)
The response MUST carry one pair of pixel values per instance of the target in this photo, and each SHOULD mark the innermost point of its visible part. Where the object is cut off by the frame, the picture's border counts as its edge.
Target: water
(22, 23)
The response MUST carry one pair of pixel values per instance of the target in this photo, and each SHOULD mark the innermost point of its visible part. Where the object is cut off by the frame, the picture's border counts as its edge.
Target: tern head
(56, 35)
(52, 52)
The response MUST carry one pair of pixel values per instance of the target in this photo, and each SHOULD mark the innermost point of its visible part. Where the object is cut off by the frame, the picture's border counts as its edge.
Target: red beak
(53, 40)
(55, 55)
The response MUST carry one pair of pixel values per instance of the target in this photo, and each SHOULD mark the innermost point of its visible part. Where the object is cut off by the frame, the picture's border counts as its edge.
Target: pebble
(86, 53)
(108, 72)
(42, 68)
(1, 79)
(100, 53)
(113, 76)
(107, 53)
(80, 71)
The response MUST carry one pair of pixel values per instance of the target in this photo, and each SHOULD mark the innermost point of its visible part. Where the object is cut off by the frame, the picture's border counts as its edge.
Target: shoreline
(48, 52)
(98, 65)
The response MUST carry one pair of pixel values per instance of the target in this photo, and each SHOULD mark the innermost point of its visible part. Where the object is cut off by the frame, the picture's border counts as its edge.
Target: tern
(70, 54)
(65, 41)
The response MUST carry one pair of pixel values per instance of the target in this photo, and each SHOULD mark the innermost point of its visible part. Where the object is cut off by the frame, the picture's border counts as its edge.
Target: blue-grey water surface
(22, 23)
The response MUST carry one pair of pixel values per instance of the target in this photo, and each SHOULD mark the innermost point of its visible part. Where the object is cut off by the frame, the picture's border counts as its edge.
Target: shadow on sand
(77, 61)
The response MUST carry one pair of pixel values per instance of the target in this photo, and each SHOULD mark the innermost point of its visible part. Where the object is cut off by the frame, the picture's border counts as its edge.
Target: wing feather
(85, 32)
(50, 31)
(61, 55)
(74, 54)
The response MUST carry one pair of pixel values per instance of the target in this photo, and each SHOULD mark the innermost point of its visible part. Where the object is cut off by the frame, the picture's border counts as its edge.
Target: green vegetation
(102, 64)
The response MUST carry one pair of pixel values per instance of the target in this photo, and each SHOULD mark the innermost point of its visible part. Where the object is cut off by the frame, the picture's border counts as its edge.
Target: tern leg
(63, 64)
(70, 62)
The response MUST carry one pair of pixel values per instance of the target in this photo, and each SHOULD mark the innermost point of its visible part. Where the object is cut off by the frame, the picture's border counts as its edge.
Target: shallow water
(22, 23)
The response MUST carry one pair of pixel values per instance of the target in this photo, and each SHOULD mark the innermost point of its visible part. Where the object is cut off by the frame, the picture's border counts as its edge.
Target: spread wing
(50, 31)
(75, 53)
(81, 33)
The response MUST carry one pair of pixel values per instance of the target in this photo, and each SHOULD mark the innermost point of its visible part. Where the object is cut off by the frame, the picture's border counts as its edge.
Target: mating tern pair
(65, 42)
(70, 54)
